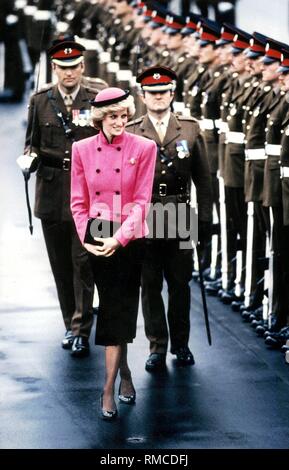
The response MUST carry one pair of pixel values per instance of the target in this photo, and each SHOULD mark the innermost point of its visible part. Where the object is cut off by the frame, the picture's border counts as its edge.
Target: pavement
(234, 397)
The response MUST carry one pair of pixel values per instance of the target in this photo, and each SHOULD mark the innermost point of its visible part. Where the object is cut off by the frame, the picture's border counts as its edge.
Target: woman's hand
(107, 248)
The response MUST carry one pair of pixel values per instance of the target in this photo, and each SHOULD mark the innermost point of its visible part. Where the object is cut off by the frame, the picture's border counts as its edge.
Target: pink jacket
(113, 182)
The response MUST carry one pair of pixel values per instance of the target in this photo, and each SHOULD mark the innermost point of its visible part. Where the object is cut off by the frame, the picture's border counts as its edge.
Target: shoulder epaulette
(44, 89)
(181, 117)
(135, 121)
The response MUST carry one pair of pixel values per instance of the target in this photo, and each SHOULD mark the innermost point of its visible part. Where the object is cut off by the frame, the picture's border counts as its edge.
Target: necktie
(160, 130)
(68, 102)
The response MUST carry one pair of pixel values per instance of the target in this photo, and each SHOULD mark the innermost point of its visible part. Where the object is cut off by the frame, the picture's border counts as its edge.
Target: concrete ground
(235, 397)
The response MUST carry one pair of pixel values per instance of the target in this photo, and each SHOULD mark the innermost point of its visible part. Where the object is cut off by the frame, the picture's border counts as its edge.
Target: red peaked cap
(157, 78)
(66, 52)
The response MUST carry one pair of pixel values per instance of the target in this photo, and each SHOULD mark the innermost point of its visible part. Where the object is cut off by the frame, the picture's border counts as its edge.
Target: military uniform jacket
(52, 198)
(210, 109)
(222, 122)
(182, 133)
(235, 152)
(284, 159)
(192, 89)
(255, 139)
(272, 192)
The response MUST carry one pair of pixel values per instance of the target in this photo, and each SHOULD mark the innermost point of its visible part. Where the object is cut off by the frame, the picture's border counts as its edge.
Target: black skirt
(117, 279)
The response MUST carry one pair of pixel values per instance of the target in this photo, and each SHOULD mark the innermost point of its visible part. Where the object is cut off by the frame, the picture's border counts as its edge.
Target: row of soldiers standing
(236, 85)
(232, 82)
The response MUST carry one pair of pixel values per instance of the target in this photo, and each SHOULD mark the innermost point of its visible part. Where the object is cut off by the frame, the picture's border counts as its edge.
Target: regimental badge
(81, 117)
(182, 149)
(233, 111)
(68, 50)
(156, 76)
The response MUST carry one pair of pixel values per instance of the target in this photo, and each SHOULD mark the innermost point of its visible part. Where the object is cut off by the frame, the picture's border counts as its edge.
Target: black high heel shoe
(127, 399)
(105, 414)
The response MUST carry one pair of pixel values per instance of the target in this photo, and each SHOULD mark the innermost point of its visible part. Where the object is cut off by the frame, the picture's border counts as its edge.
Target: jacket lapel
(276, 99)
(59, 103)
(81, 100)
(173, 131)
(149, 130)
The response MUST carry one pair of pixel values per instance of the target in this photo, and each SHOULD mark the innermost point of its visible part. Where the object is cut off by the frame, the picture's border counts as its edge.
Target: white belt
(179, 106)
(104, 57)
(284, 171)
(30, 10)
(235, 137)
(90, 44)
(207, 124)
(124, 75)
(19, 4)
(61, 26)
(133, 82)
(255, 154)
(11, 19)
(274, 150)
(221, 125)
(43, 15)
(113, 67)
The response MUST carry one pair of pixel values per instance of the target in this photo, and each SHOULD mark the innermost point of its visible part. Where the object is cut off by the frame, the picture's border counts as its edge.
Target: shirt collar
(165, 119)
(73, 94)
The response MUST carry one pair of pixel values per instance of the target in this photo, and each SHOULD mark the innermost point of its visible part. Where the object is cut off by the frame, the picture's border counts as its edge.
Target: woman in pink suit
(111, 184)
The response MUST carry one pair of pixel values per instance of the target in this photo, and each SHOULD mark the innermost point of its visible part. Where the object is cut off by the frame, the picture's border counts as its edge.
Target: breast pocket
(51, 134)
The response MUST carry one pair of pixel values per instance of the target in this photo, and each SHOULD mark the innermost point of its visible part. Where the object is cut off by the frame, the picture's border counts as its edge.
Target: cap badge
(156, 76)
(68, 50)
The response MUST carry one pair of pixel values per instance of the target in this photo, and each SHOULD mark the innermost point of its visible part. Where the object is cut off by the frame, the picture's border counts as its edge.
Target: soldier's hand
(27, 163)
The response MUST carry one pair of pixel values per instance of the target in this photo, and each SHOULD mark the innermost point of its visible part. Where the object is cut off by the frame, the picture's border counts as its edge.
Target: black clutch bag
(99, 228)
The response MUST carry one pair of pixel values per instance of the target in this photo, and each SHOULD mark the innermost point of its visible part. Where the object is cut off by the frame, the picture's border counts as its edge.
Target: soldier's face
(175, 42)
(207, 54)
(68, 77)
(238, 63)
(225, 54)
(158, 102)
(114, 122)
(284, 79)
(269, 73)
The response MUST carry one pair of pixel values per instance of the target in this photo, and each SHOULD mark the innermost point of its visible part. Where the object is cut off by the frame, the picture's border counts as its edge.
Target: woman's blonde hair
(98, 114)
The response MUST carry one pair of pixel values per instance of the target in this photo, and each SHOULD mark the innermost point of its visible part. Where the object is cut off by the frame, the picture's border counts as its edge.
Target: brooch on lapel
(182, 149)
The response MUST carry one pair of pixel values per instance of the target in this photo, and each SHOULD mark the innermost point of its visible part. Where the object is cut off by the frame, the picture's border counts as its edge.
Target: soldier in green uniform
(181, 159)
(255, 156)
(57, 117)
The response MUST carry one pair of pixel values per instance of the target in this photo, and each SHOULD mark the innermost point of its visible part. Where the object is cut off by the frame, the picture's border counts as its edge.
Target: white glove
(25, 161)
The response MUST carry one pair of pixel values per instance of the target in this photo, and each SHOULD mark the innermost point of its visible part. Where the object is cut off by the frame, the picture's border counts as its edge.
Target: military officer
(57, 117)
(181, 158)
